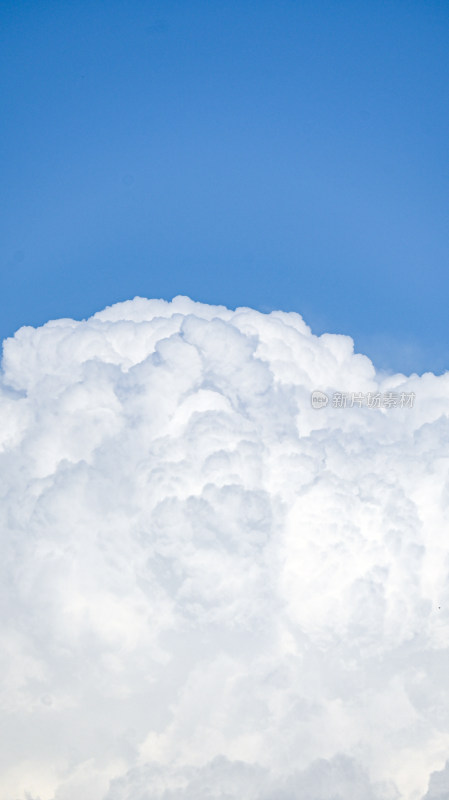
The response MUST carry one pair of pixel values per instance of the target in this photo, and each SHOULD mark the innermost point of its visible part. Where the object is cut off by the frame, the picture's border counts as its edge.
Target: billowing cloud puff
(210, 589)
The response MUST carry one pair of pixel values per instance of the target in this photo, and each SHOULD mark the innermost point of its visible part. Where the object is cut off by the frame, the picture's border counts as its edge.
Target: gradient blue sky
(279, 154)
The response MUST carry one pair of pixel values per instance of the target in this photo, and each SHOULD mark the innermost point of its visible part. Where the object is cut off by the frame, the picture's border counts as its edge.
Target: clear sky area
(282, 154)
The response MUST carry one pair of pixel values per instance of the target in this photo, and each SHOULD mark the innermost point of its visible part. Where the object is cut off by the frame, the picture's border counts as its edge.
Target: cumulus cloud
(211, 590)
(439, 785)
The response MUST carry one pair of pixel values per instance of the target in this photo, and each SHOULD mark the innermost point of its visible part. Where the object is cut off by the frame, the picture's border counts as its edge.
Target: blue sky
(279, 154)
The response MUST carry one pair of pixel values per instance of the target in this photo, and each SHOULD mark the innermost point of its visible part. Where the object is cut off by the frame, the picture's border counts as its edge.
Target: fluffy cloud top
(211, 590)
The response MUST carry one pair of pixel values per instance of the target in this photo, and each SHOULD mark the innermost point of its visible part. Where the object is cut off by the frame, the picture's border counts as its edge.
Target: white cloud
(439, 785)
(211, 590)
